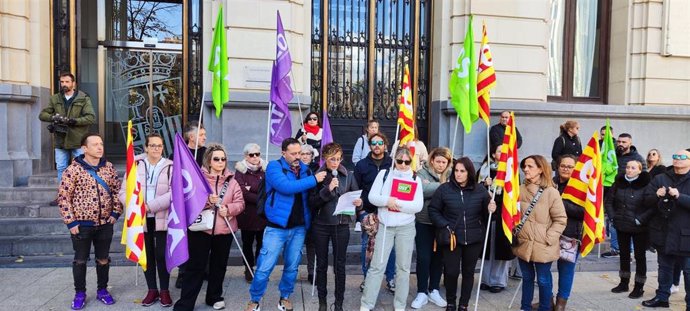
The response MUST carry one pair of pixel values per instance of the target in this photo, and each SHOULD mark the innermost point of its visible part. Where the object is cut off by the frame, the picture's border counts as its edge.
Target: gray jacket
(430, 182)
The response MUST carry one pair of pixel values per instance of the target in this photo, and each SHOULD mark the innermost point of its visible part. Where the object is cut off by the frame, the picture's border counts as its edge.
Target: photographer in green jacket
(70, 114)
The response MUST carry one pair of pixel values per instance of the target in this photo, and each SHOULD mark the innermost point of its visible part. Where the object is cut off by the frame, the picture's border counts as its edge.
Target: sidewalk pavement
(52, 289)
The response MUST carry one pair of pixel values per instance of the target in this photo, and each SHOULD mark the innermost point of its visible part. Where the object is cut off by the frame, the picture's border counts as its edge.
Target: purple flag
(281, 89)
(326, 136)
(190, 192)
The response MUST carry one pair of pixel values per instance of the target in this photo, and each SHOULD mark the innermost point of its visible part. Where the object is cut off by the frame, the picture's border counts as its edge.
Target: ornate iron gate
(359, 51)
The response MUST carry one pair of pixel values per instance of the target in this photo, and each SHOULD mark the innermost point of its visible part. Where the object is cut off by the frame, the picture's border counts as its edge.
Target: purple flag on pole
(190, 192)
(326, 136)
(281, 89)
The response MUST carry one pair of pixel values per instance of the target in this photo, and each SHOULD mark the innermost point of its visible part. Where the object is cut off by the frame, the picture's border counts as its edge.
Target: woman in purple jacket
(249, 174)
(153, 173)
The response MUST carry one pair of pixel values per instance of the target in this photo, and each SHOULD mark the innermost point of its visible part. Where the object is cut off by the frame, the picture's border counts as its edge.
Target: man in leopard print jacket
(89, 207)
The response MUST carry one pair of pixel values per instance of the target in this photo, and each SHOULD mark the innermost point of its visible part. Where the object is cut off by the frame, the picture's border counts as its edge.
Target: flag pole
(519, 287)
(238, 244)
(486, 239)
(201, 114)
(268, 126)
(455, 134)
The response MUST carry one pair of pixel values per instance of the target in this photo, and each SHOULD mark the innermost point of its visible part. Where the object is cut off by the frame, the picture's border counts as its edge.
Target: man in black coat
(669, 233)
(498, 130)
(625, 152)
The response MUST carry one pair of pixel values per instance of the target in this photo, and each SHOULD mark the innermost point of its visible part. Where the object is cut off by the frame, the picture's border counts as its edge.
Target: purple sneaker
(104, 296)
(79, 301)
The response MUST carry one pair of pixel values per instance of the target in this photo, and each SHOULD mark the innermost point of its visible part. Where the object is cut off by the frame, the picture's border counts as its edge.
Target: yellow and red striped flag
(486, 78)
(406, 117)
(585, 189)
(135, 211)
(508, 177)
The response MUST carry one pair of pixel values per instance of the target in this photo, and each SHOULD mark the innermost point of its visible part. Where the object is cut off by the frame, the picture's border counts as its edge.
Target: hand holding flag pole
(486, 240)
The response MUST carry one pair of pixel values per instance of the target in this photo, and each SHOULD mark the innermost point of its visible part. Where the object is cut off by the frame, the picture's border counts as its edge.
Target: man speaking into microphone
(329, 228)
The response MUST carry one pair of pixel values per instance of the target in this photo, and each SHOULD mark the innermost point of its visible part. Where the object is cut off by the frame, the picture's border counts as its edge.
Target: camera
(56, 127)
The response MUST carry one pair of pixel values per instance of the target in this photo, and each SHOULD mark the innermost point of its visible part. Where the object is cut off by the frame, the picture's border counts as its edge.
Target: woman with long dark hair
(461, 206)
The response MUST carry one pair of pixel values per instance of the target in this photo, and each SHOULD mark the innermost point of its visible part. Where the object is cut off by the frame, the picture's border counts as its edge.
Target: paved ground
(51, 289)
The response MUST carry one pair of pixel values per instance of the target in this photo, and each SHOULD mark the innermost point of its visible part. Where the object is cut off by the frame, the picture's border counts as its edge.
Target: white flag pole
(455, 134)
(201, 114)
(486, 239)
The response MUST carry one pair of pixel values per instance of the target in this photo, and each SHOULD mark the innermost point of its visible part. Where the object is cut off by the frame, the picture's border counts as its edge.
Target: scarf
(630, 179)
(251, 167)
(314, 129)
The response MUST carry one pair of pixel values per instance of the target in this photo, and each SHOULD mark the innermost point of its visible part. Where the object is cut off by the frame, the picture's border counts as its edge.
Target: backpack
(262, 196)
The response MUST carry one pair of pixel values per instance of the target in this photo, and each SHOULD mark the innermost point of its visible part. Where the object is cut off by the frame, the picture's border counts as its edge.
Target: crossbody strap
(518, 228)
(100, 180)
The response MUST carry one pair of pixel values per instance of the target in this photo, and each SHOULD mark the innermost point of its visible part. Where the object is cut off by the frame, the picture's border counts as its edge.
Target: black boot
(451, 307)
(637, 291)
(338, 306)
(622, 287)
(323, 305)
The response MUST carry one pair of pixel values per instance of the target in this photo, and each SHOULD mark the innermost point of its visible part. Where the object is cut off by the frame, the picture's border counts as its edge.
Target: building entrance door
(142, 85)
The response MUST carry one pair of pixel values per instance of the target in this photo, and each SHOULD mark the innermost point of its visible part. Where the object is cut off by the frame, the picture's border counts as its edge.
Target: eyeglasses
(307, 153)
(217, 159)
(254, 155)
(568, 167)
(680, 157)
(334, 160)
(401, 161)
(376, 143)
(152, 146)
(314, 119)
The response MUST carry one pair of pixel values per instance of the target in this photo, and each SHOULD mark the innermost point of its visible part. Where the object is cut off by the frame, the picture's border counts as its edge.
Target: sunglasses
(680, 157)
(377, 143)
(217, 159)
(401, 162)
(254, 155)
(314, 119)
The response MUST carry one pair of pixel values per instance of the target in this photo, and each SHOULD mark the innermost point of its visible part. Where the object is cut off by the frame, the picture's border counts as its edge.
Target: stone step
(48, 179)
(31, 226)
(58, 244)
(15, 210)
(27, 195)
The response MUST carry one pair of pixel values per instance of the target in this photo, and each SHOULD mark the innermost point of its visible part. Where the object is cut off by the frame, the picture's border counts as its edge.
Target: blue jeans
(566, 276)
(390, 267)
(666, 264)
(62, 159)
(544, 280)
(276, 241)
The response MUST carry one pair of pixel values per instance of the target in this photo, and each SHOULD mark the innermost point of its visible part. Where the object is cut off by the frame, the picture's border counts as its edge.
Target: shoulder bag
(207, 217)
(569, 248)
(518, 228)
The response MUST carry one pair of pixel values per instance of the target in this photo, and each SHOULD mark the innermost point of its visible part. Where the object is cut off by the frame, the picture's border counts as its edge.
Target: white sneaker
(220, 305)
(436, 298)
(363, 309)
(675, 289)
(420, 301)
(358, 227)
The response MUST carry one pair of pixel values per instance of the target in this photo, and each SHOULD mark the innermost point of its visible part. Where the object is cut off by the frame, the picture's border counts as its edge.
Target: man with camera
(69, 113)
(669, 194)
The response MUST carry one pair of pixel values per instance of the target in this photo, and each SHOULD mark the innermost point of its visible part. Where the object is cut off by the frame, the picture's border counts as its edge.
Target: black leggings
(641, 241)
(248, 238)
(155, 255)
(462, 259)
(339, 237)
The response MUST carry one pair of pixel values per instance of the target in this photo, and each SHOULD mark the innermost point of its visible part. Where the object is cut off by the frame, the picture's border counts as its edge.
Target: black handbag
(518, 228)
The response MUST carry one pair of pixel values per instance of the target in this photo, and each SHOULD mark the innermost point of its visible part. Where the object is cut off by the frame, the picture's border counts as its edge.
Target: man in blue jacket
(287, 183)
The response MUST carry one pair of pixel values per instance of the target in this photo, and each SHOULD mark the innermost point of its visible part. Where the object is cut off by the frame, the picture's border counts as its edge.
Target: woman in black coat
(567, 142)
(498, 253)
(461, 206)
(625, 205)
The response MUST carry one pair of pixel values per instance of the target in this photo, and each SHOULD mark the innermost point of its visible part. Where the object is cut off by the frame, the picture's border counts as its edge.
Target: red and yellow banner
(585, 189)
(508, 178)
(486, 78)
(406, 117)
(135, 211)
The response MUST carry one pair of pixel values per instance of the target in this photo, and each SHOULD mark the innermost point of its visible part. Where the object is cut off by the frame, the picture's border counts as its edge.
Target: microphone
(335, 175)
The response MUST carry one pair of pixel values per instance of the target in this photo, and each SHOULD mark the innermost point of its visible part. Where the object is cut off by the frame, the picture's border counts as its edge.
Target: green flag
(218, 64)
(463, 83)
(609, 162)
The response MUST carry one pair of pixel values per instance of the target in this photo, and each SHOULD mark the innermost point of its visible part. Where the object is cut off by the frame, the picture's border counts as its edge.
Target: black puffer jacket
(668, 229)
(625, 204)
(464, 210)
(323, 201)
(575, 213)
(623, 159)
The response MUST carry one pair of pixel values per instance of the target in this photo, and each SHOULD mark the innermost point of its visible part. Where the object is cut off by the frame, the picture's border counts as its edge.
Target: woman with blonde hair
(567, 142)
(212, 246)
(655, 164)
(397, 195)
(539, 231)
(429, 263)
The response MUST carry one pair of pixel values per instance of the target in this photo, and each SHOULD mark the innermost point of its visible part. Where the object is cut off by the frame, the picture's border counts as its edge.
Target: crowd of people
(442, 209)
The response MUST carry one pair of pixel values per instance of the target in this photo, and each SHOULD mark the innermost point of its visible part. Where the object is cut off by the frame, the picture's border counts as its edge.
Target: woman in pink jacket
(212, 246)
(153, 174)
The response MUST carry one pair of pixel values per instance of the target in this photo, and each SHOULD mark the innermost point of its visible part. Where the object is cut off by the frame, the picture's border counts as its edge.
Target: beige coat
(541, 233)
